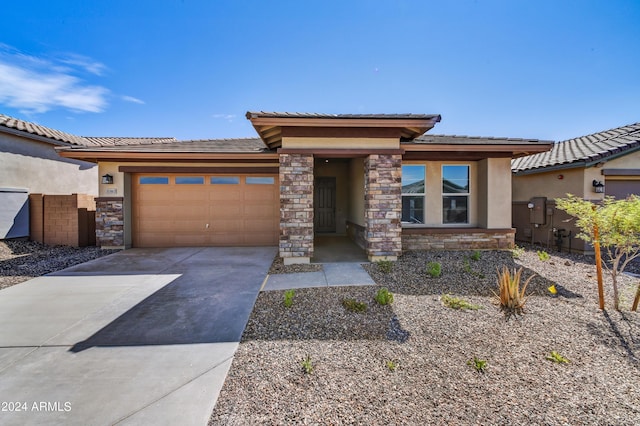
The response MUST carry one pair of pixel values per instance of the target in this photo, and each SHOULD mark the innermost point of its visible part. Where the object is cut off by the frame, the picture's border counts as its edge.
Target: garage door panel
(191, 195)
(252, 194)
(177, 215)
(154, 225)
(155, 195)
(225, 195)
(621, 189)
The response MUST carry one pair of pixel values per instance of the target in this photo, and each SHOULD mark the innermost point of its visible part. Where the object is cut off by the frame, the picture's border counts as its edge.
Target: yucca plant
(511, 295)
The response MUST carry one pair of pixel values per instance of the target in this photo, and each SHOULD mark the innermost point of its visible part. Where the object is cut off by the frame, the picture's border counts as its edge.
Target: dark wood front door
(325, 205)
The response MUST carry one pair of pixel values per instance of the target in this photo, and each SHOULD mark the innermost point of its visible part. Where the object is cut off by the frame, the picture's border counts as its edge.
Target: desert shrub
(543, 255)
(434, 269)
(385, 266)
(478, 364)
(458, 303)
(288, 298)
(511, 296)
(384, 296)
(307, 364)
(354, 306)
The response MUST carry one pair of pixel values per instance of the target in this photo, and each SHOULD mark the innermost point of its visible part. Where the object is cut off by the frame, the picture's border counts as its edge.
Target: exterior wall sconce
(107, 179)
(598, 187)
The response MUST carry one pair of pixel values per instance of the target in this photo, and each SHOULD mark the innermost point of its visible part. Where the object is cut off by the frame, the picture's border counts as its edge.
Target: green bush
(476, 255)
(517, 252)
(557, 358)
(434, 269)
(385, 266)
(458, 303)
(543, 255)
(288, 298)
(478, 364)
(354, 306)
(384, 296)
(307, 365)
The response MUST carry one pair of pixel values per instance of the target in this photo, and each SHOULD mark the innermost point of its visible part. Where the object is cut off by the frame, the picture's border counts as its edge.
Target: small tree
(617, 224)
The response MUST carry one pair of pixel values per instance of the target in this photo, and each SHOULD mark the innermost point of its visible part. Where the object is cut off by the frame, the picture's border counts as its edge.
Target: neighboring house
(374, 177)
(29, 164)
(591, 167)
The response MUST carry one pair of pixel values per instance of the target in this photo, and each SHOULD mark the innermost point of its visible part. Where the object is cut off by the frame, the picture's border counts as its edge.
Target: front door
(324, 201)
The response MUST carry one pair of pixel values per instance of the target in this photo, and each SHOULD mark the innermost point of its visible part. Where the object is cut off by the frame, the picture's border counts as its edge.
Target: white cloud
(89, 65)
(38, 85)
(228, 117)
(132, 99)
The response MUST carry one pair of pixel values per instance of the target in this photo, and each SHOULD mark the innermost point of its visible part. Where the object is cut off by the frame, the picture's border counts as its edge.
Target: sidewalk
(332, 274)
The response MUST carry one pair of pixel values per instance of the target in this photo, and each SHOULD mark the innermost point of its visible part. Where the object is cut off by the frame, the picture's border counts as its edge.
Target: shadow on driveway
(209, 302)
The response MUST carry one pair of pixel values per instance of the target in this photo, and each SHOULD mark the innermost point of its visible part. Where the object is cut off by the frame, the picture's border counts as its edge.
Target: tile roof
(583, 151)
(19, 125)
(42, 131)
(255, 114)
(471, 140)
(125, 141)
(191, 146)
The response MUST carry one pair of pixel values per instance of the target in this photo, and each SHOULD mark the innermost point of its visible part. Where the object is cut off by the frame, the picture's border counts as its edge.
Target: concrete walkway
(145, 336)
(332, 274)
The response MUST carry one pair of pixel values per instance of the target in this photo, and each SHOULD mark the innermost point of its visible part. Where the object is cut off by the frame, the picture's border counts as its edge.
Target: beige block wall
(340, 143)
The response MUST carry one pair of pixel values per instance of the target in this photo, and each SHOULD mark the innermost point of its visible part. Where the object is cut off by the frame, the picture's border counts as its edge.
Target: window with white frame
(413, 193)
(455, 194)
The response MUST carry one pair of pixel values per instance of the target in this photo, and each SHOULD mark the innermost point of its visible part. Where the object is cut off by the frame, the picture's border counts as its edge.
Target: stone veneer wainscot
(383, 206)
(110, 222)
(296, 208)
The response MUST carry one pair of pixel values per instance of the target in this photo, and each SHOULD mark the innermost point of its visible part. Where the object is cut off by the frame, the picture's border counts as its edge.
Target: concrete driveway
(144, 336)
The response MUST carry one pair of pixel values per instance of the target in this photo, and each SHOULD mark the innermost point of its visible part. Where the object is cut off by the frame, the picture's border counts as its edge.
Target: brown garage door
(621, 189)
(179, 210)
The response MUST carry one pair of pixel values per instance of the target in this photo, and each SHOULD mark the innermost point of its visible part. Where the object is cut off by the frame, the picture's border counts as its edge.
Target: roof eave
(35, 137)
(269, 128)
(96, 156)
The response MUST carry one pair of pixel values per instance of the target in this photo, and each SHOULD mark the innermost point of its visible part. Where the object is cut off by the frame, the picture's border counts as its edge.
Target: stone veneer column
(296, 208)
(110, 222)
(383, 206)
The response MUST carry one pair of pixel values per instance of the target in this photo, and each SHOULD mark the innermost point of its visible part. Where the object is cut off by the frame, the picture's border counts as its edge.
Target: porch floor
(337, 249)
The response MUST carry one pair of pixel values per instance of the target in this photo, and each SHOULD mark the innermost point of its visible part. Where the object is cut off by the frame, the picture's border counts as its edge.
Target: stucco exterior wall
(497, 178)
(37, 167)
(549, 184)
(629, 161)
(340, 143)
(356, 190)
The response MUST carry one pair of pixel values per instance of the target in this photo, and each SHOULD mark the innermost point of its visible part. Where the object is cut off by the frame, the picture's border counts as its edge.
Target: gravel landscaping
(412, 362)
(21, 260)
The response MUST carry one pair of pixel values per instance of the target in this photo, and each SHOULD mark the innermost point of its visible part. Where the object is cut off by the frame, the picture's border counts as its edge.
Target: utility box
(538, 210)
(14, 213)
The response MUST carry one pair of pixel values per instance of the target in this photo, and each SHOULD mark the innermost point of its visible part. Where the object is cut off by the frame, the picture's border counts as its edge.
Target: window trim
(423, 194)
(455, 194)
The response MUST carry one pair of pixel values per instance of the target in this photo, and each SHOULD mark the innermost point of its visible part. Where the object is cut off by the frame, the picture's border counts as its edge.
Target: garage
(621, 188)
(186, 210)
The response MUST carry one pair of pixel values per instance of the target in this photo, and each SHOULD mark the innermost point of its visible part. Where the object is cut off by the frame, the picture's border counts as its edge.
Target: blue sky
(547, 69)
